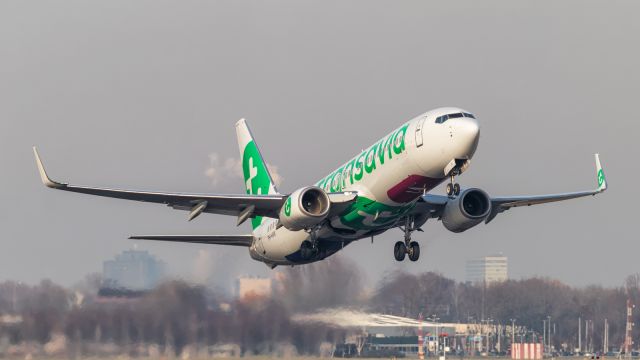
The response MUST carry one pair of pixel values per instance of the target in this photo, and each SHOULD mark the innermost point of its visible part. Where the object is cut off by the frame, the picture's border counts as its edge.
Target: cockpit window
(441, 119)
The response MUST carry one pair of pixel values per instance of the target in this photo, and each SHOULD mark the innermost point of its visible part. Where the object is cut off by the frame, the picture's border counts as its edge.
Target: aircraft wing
(232, 240)
(249, 205)
(243, 206)
(434, 204)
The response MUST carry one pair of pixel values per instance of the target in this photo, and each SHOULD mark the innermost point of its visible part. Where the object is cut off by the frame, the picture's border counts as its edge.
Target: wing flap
(231, 240)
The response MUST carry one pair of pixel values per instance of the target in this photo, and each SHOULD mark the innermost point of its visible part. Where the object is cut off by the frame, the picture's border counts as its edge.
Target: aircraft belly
(282, 243)
(412, 187)
(283, 248)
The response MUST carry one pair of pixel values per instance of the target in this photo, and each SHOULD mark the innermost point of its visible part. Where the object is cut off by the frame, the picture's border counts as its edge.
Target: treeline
(178, 317)
(173, 317)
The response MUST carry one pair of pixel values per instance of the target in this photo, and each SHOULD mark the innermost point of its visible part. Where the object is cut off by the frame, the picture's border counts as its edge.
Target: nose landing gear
(407, 247)
(453, 188)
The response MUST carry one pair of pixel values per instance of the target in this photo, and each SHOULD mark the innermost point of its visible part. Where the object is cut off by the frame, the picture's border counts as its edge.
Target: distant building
(253, 286)
(488, 269)
(133, 270)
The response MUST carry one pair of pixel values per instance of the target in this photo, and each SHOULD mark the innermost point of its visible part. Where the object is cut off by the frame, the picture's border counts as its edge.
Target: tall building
(488, 269)
(133, 270)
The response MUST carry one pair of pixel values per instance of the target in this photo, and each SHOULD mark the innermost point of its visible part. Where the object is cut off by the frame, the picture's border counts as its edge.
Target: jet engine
(466, 210)
(305, 208)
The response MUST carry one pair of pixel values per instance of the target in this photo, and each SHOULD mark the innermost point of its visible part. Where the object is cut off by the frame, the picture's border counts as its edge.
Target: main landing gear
(407, 247)
(309, 248)
(453, 188)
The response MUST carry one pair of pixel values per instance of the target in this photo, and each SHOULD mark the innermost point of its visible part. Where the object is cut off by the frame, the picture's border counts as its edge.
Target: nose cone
(466, 133)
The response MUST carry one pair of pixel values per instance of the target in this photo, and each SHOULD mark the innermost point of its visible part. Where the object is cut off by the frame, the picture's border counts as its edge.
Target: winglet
(43, 174)
(602, 181)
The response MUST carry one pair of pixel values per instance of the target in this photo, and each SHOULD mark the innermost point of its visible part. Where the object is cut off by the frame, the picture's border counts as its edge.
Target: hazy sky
(144, 95)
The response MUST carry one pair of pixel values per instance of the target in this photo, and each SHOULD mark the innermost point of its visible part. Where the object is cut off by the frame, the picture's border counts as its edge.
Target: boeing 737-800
(384, 187)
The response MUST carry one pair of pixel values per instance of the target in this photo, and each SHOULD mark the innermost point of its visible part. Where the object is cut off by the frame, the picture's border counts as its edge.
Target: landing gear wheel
(456, 189)
(307, 251)
(399, 251)
(449, 189)
(414, 251)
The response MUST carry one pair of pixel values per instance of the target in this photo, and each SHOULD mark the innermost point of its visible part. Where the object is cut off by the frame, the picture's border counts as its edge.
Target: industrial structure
(628, 341)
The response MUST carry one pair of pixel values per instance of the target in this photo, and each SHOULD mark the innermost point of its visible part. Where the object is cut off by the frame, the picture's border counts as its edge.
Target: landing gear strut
(453, 188)
(309, 248)
(407, 247)
(307, 251)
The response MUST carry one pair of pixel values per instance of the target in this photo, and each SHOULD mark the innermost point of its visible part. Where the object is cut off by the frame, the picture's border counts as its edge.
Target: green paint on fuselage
(366, 162)
(367, 214)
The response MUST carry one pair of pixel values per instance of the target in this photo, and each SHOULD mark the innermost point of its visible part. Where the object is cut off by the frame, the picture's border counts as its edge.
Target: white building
(488, 269)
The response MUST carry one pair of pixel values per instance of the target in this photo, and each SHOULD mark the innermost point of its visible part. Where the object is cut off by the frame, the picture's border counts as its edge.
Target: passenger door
(419, 126)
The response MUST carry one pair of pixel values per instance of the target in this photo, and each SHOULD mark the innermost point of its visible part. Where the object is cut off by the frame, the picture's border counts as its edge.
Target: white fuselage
(400, 168)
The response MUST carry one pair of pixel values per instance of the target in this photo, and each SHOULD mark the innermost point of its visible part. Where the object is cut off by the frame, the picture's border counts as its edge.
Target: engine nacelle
(305, 208)
(466, 210)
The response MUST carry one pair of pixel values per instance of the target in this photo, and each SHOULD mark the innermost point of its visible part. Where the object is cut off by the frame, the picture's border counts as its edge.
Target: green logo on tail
(257, 181)
(600, 177)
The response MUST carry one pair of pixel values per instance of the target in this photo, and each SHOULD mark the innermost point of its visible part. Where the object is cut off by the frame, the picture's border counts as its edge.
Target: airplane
(386, 186)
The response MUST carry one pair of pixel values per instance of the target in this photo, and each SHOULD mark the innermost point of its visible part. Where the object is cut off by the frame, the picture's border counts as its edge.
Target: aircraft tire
(399, 251)
(414, 251)
(449, 189)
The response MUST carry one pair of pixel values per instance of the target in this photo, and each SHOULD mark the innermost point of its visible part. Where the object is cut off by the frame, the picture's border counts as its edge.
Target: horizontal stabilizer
(231, 240)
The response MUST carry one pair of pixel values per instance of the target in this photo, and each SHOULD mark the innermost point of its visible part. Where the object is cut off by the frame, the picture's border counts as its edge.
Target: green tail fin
(257, 179)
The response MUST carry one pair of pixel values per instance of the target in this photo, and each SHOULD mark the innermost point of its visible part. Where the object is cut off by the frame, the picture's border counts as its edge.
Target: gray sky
(140, 94)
